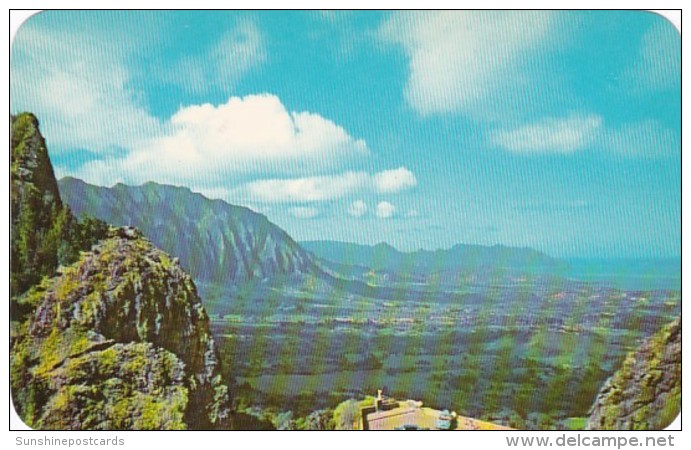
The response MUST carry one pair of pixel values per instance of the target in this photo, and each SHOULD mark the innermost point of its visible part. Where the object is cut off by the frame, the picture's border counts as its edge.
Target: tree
(516, 421)
(285, 421)
(347, 415)
(317, 421)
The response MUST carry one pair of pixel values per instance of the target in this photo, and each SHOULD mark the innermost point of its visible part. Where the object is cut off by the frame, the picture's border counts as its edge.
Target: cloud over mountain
(358, 208)
(385, 210)
(327, 187)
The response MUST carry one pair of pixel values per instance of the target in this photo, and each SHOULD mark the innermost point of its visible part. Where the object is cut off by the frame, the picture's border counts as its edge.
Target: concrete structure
(389, 414)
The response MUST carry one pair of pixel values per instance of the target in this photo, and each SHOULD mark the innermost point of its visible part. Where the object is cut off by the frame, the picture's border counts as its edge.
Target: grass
(575, 423)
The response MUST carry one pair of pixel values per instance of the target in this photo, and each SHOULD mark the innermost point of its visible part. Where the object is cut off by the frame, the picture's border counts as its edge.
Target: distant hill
(471, 259)
(216, 242)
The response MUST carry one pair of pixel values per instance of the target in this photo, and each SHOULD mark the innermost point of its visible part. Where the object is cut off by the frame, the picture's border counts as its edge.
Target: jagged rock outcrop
(645, 394)
(113, 338)
(37, 213)
(215, 241)
(124, 306)
(44, 233)
(30, 165)
(133, 386)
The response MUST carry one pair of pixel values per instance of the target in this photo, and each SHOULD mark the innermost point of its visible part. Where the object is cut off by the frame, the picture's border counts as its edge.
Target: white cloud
(304, 212)
(462, 61)
(309, 189)
(647, 138)
(248, 134)
(658, 65)
(394, 180)
(249, 129)
(322, 188)
(358, 208)
(79, 88)
(385, 210)
(413, 213)
(220, 67)
(551, 135)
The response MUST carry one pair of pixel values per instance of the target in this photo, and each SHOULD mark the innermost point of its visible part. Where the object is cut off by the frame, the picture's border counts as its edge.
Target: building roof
(410, 414)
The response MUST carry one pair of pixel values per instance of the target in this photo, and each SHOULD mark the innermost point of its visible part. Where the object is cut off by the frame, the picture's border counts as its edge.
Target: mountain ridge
(225, 244)
(385, 246)
(351, 259)
(222, 243)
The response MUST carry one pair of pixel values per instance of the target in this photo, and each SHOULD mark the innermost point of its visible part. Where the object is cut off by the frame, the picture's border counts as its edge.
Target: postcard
(346, 220)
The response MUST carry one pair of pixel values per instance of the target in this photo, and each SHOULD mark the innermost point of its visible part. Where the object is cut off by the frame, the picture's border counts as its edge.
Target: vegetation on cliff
(222, 243)
(44, 233)
(111, 338)
(645, 394)
(125, 291)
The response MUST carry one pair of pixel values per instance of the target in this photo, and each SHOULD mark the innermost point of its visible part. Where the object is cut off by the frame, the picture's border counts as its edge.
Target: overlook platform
(412, 414)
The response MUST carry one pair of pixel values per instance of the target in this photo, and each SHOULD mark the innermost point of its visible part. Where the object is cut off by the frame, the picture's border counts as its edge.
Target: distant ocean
(629, 274)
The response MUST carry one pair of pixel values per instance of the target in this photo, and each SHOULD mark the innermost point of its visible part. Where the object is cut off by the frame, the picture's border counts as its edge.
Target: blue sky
(554, 130)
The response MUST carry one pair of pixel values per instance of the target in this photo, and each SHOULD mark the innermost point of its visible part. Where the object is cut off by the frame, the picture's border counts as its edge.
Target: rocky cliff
(37, 212)
(111, 338)
(645, 394)
(44, 233)
(118, 340)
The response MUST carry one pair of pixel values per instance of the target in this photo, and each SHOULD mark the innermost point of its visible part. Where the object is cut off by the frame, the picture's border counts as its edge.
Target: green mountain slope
(216, 242)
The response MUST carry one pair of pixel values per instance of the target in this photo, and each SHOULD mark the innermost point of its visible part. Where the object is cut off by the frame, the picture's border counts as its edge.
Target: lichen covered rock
(125, 302)
(133, 386)
(645, 394)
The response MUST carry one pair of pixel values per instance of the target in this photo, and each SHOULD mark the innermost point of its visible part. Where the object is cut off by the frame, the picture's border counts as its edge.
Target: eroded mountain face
(215, 241)
(645, 394)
